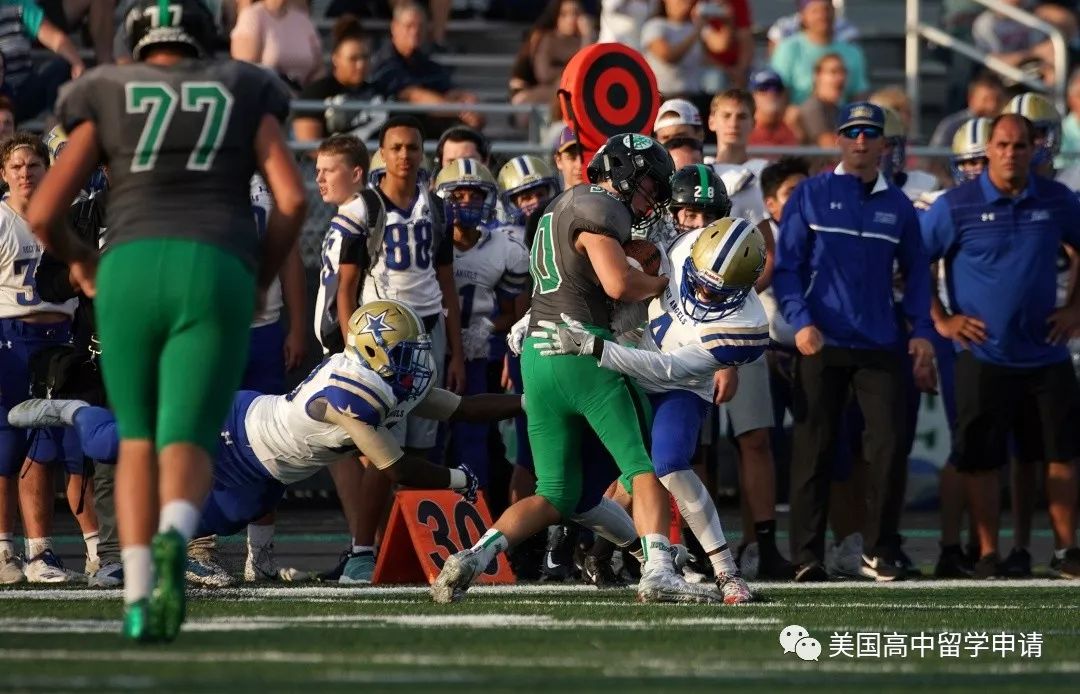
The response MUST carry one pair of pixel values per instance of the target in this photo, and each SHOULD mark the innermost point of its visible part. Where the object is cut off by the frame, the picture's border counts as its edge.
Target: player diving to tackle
(345, 406)
(708, 318)
(578, 266)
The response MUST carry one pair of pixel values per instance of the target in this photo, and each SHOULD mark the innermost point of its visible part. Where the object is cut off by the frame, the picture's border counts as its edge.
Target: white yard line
(346, 592)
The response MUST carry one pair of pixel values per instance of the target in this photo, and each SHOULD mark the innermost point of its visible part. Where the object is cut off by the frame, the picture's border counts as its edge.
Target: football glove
(516, 336)
(569, 338)
(472, 485)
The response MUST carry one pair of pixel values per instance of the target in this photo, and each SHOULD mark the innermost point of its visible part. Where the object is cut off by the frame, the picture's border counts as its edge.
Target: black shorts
(1038, 406)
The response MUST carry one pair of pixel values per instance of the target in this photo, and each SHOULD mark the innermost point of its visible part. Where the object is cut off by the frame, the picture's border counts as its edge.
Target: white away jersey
(497, 264)
(691, 350)
(744, 188)
(286, 432)
(261, 204)
(345, 242)
(20, 253)
(415, 242)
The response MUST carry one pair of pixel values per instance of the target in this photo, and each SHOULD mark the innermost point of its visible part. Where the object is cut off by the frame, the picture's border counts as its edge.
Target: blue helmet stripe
(734, 236)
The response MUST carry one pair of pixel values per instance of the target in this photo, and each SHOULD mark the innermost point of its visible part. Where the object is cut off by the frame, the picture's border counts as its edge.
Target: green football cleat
(167, 601)
(137, 622)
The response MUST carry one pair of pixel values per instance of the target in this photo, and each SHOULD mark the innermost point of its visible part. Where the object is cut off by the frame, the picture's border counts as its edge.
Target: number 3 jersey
(415, 242)
(286, 432)
(692, 350)
(20, 253)
(180, 144)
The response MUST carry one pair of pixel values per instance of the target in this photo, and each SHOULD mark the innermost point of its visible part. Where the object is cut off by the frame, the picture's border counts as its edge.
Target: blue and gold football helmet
(725, 261)
(390, 339)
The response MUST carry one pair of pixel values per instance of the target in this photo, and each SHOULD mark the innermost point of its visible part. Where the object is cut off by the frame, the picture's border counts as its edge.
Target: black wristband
(598, 347)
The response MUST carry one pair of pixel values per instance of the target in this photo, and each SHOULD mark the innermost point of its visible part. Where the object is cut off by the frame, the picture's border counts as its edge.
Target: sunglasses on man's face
(869, 131)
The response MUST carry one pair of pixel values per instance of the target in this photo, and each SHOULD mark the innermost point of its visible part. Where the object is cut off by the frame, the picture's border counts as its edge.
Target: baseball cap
(677, 112)
(861, 113)
(766, 80)
(567, 139)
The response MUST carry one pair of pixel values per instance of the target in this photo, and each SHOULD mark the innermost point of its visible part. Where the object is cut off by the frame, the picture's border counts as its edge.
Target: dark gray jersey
(563, 278)
(179, 142)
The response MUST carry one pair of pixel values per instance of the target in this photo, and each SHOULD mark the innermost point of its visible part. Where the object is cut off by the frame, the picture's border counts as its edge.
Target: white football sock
(657, 550)
(7, 542)
(181, 516)
(490, 544)
(91, 540)
(697, 507)
(609, 520)
(260, 536)
(138, 573)
(37, 545)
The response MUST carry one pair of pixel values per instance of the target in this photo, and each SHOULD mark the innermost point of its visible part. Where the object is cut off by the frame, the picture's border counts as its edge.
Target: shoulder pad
(598, 211)
(739, 338)
(359, 389)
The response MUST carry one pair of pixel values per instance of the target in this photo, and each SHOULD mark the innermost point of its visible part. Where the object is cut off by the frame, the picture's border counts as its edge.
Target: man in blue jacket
(998, 237)
(840, 236)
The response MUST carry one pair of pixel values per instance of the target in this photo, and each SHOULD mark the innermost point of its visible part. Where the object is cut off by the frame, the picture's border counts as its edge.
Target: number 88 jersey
(415, 242)
(20, 253)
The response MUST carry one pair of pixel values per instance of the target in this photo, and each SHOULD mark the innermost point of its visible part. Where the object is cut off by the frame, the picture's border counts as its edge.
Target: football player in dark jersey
(178, 284)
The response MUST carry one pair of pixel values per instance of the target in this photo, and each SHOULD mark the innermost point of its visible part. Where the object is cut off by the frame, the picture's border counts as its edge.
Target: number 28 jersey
(180, 144)
(415, 242)
(20, 253)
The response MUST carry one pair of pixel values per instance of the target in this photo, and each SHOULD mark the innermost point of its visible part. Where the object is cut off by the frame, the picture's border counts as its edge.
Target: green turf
(568, 641)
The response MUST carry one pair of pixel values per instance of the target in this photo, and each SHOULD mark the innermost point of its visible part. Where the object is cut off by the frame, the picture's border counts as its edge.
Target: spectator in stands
(70, 16)
(461, 142)
(32, 89)
(791, 24)
(731, 17)
(678, 118)
(567, 157)
(1018, 44)
(985, 97)
(795, 55)
(999, 237)
(1070, 124)
(847, 331)
(674, 45)
(817, 115)
(771, 111)
(7, 118)
(277, 35)
(621, 20)
(348, 80)
(408, 71)
(561, 31)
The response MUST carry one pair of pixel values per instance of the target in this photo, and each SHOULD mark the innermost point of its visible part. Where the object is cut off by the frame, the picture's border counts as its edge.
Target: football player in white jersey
(27, 324)
(490, 269)
(414, 265)
(349, 404)
(352, 240)
(709, 318)
(526, 184)
(893, 164)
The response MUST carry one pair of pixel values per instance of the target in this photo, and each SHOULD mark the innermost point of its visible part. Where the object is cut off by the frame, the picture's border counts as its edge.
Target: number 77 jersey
(180, 144)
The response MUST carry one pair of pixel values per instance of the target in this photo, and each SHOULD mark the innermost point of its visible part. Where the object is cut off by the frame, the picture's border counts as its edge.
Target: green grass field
(541, 638)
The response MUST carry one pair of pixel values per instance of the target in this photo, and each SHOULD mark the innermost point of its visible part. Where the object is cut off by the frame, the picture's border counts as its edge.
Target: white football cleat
(203, 569)
(734, 589)
(456, 576)
(108, 576)
(39, 413)
(665, 586)
(11, 570)
(262, 566)
(46, 568)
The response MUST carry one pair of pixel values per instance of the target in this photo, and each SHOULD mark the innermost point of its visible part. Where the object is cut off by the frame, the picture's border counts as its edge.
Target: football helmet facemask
(389, 338)
(467, 173)
(724, 263)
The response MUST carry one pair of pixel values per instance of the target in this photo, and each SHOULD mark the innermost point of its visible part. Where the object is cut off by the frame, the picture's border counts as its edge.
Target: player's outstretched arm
(620, 281)
(283, 178)
(444, 406)
(378, 446)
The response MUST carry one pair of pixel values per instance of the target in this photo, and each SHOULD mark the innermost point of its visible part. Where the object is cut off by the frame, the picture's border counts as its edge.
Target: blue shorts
(677, 419)
(265, 371)
(19, 341)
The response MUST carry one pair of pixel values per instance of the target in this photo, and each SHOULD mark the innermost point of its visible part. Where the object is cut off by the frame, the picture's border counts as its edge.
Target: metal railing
(916, 30)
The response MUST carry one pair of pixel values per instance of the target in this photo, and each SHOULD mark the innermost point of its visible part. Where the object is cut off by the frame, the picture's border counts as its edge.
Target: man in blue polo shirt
(840, 236)
(998, 237)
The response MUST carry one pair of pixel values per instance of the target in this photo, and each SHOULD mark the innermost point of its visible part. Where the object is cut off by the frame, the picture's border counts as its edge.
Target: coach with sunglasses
(840, 235)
